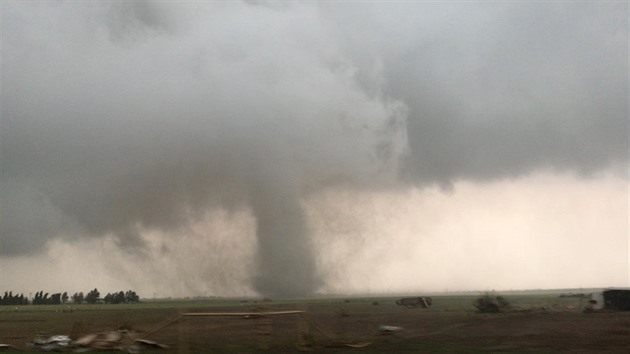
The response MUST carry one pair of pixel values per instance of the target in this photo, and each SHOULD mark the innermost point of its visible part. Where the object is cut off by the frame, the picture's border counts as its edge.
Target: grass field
(541, 323)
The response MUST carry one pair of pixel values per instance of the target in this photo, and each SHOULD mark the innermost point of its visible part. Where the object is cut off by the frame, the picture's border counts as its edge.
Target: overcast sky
(287, 149)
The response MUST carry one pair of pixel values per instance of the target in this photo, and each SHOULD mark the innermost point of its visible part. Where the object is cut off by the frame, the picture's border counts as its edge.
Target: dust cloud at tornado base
(158, 130)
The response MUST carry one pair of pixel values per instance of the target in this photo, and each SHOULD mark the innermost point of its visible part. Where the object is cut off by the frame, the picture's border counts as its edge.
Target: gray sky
(292, 148)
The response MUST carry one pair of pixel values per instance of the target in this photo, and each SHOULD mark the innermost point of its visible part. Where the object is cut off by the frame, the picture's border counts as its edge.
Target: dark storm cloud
(499, 90)
(121, 117)
(125, 116)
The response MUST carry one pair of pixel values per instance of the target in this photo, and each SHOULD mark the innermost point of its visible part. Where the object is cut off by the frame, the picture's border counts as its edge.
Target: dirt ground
(451, 325)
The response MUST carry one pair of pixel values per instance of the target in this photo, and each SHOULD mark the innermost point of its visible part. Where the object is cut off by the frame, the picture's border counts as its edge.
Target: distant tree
(10, 299)
(55, 299)
(78, 298)
(39, 298)
(131, 296)
(119, 298)
(92, 297)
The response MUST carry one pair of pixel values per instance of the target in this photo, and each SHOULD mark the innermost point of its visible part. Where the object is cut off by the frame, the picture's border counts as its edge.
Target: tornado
(286, 265)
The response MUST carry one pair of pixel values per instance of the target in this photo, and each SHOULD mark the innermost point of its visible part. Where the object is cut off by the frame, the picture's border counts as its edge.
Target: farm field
(535, 324)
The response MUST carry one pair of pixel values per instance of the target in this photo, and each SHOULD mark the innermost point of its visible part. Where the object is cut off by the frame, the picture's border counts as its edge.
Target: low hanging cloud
(120, 119)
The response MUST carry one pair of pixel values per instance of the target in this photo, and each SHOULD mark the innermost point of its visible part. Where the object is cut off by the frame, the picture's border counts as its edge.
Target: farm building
(616, 299)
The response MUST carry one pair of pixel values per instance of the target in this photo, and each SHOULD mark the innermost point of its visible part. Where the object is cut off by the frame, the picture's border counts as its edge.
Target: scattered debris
(143, 344)
(7, 348)
(116, 340)
(388, 329)
(54, 343)
(357, 345)
(113, 340)
(85, 340)
(252, 316)
(413, 302)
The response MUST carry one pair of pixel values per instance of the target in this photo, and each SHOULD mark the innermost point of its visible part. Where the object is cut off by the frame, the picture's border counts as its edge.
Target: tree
(78, 298)
(55, 299)
(10, 299)
(40, 298)
(64, 297)
(92, 297)
(131, 296)
(36, 299)
(119, 297)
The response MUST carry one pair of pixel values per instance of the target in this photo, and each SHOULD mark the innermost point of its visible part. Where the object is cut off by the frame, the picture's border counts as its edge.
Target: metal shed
(613, 299)
(617, 299)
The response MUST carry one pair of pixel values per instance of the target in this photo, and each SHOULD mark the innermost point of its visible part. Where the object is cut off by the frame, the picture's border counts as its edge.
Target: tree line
(91, 297)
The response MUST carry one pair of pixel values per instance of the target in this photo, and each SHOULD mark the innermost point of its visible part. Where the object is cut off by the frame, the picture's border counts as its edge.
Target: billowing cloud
(120, 120)
(499, 90)
(134, 120)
